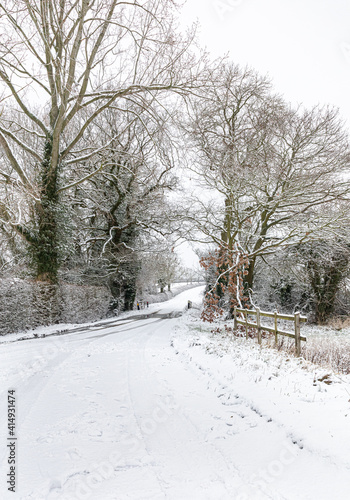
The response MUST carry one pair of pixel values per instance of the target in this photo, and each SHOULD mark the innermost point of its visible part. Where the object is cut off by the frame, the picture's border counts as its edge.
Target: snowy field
(151, 405)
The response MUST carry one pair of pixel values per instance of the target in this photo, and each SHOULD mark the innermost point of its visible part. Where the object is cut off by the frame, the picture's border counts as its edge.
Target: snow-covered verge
(325, 346)
(328, 347)
(310, 404)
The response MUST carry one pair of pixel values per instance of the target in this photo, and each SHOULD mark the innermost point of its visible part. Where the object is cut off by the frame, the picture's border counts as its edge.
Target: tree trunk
(45, 246)
(47, 304)
(249, 278)
(129, 294)
(325, 302)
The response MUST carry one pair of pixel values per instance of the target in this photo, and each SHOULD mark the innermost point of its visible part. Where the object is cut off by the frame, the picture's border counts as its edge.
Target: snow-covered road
(115, 411)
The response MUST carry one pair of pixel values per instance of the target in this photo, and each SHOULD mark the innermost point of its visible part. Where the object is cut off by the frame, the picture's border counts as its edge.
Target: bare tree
(275, 172)
(122, 208)
(62, 64)
(159, 268)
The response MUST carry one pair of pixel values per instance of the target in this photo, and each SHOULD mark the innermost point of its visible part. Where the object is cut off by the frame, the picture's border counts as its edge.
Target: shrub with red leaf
(227, 268)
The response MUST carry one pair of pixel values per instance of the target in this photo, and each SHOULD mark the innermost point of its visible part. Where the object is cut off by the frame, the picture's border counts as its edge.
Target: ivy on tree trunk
(44, 248)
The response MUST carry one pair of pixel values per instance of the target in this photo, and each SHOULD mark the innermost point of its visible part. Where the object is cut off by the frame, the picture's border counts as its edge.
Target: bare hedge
(26, 304)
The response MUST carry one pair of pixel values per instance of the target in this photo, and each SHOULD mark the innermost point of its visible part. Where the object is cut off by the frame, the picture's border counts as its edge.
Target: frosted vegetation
(120, 138)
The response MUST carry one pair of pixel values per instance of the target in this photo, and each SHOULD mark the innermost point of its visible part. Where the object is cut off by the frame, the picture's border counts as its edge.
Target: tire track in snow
(181, 425)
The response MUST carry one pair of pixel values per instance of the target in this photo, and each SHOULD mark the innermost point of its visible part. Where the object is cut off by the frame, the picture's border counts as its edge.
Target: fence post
(258, 324)
(297, 334)
(246, 324)
(235, 319)
(276, 328)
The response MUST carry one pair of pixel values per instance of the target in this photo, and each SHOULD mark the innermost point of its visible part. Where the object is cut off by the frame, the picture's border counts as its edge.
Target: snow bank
(310, 404)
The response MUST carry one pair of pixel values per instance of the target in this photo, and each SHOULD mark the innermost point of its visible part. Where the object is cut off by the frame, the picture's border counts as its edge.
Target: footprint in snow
(72, 394)
(55, 485)
(45, 439)
(95, 433)
(73, 454)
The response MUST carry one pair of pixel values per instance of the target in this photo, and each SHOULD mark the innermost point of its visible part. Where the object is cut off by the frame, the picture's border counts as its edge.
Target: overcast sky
(303, 45)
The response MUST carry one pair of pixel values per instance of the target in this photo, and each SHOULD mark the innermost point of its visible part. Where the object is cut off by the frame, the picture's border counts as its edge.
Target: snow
(151, 405)
(57, 329)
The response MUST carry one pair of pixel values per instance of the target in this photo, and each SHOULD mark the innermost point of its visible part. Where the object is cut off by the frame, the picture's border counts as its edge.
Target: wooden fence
(289, 317)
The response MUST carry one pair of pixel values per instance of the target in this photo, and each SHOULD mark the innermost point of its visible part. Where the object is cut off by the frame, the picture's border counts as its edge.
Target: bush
(28, 304)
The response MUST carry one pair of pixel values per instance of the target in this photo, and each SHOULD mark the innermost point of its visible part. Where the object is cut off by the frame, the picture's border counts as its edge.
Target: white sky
(302, 45)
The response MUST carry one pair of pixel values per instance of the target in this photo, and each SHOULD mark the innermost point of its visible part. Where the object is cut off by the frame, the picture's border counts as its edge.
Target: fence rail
(296, 318)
